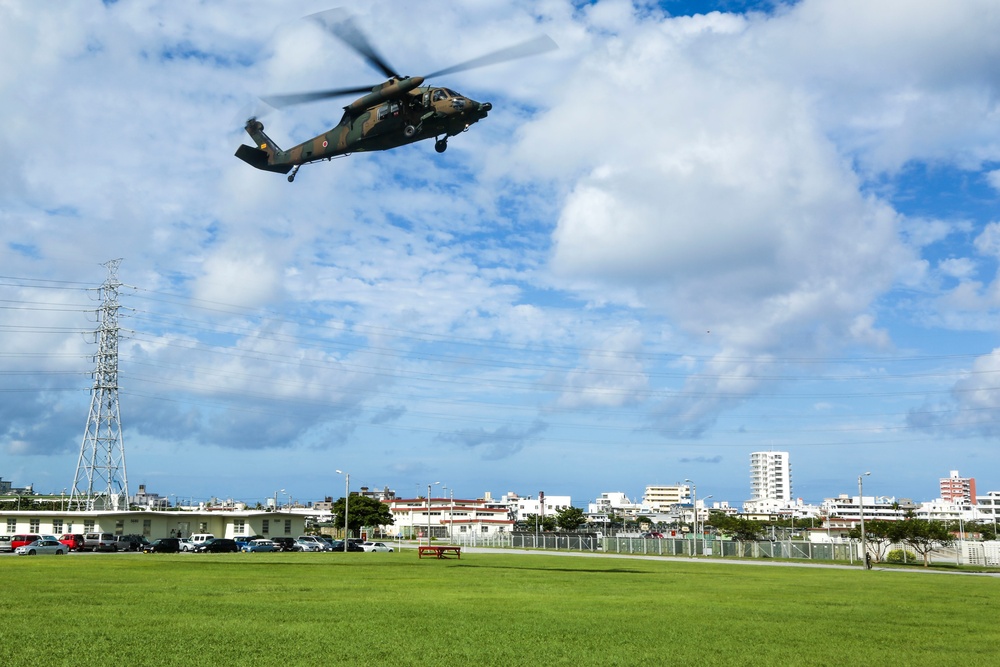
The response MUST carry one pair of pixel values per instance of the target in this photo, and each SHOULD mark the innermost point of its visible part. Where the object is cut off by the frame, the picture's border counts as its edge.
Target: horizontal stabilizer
(256, 157)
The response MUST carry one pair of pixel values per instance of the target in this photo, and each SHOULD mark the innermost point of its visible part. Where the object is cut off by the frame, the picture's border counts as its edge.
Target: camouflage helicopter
(391, 114)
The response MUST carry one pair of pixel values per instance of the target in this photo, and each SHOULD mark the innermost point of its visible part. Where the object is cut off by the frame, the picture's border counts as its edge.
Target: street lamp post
(703, 525)
(861, 510)
(347, 495)
(429, 513)
(694, 519)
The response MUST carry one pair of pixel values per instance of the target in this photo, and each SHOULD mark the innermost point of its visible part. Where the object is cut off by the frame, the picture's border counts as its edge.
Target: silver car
(44, 546)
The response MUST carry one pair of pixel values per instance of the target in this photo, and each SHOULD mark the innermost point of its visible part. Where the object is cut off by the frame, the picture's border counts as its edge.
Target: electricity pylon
(101, 481)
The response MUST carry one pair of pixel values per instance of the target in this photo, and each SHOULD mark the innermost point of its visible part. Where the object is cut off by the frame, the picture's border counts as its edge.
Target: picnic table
(439, 551)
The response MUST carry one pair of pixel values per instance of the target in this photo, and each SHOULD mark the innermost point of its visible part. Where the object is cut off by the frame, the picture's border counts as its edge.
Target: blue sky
(684, 236)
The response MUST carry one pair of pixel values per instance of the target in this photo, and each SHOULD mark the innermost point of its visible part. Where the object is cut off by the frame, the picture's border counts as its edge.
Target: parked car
(338, 547)
(218, 545)
(52, 546)
(260, 545)
(317, 540)
(99, 542)
(73, 541)
(284, 543)
(376, 546)
(130, 542)
(21, 539)
(200, 538)
(243, 540)
(5, 543)
(164, 545)
(187, 544)
(307, 545)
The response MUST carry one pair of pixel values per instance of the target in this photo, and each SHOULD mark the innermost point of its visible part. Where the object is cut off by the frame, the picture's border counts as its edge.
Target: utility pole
(100, 469)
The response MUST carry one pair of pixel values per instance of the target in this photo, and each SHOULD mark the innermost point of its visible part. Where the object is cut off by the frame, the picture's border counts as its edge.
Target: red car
(73, 541)
(22, 539)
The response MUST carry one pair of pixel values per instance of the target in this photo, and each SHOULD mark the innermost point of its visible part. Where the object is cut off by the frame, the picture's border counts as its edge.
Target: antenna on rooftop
(101, 481)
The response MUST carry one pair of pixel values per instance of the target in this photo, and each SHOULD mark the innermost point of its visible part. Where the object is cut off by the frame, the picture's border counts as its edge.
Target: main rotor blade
(340, 24)
(281, 101)
(532, 47)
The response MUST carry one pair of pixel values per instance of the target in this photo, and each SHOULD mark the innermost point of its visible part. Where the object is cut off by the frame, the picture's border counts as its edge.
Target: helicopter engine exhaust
(394, 89)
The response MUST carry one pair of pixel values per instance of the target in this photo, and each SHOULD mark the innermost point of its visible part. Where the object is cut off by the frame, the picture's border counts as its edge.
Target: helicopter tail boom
(265, 155)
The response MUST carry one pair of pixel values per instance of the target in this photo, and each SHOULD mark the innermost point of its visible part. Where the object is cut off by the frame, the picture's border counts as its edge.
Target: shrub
(901, 556)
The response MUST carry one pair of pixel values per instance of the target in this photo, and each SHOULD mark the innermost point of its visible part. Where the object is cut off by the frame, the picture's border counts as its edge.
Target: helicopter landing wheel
(409, 131)
(441, 145)
(291, 176)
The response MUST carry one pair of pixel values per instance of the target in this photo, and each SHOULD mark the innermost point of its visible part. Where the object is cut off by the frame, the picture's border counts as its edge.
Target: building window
(33, 525)
(265, 527)
(11, 525)
(119, 527)
(461, 529)
(239, 527)
(88, 526)
(288, 526)
(68, 528)
(147, 527)
(486, 529)
(57, 526)
(202, 526)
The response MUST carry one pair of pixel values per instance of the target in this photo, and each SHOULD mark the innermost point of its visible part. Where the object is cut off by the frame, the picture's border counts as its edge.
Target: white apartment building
(614, 502)
(989, 506)
(770, 477)
(660, 499)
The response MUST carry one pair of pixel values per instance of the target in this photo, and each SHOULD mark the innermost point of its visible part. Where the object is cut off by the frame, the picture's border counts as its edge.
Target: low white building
(154, 524)
(445, 518)
(615, 502)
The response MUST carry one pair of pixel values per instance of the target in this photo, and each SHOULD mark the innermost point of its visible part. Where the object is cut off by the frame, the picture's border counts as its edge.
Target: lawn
(485, 609)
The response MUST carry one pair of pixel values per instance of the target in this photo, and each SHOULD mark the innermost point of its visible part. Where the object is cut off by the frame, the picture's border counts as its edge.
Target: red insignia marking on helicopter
(325, 144)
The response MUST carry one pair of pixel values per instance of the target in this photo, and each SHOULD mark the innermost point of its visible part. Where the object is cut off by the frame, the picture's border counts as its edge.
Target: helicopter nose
(485, 106)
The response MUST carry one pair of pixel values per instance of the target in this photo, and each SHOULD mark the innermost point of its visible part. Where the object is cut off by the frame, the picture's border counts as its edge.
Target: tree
(362, 511)
(570, 518)
(741, 529)
(925, 536)
(544, 523)
(879, 534)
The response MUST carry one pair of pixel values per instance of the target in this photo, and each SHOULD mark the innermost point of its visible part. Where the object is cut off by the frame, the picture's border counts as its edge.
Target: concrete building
(445, 518)
(152, 524)
(615, 502)
(958, 490)
(660, 499)
(770, 478)
(988, 506)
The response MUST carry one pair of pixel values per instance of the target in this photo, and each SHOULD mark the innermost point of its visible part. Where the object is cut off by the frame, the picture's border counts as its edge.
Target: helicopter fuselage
(394, 114)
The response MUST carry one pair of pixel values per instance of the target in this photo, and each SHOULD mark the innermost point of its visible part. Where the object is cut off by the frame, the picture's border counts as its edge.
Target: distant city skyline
(696, 230)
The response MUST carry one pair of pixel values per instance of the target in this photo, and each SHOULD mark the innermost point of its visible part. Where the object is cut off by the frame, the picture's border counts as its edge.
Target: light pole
(861, 510)
(429, 513)
(694, 520)
(703, 526)
(347, 494)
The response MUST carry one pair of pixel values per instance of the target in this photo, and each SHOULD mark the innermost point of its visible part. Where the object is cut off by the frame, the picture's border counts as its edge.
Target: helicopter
(400, 111)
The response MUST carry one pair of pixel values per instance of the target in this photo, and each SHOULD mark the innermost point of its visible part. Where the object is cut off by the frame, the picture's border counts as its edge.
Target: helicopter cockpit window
(440, 94)
(451, 93)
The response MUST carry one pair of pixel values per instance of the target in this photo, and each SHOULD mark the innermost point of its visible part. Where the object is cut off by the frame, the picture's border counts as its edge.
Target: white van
(198, 539)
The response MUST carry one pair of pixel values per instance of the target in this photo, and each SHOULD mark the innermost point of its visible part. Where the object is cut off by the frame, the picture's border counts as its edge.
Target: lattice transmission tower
(101, 481)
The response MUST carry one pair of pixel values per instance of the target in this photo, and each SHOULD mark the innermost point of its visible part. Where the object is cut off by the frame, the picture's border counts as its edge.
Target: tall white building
(770, 478)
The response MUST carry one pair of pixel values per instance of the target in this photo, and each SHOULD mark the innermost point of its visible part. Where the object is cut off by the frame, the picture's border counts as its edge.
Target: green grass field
(485, 609)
